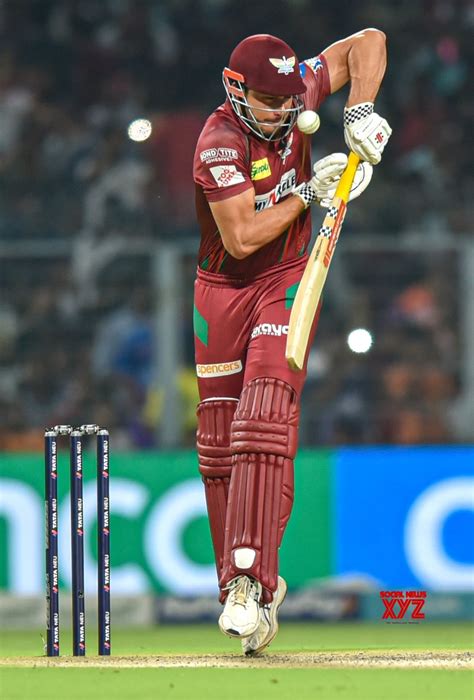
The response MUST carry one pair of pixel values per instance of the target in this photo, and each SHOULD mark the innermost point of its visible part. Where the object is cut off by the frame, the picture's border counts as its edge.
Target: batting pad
(215, 464)
(263, 443)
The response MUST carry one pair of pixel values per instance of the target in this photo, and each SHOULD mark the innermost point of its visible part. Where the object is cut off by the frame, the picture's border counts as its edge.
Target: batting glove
(365, 132)
(327, 173)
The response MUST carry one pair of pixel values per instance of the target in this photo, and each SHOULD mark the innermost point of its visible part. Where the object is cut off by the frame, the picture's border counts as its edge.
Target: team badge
(314, 63)
(284, 65)
(286, 150)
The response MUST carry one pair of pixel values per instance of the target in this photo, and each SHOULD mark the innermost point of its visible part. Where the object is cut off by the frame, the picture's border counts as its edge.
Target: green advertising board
(159, 532)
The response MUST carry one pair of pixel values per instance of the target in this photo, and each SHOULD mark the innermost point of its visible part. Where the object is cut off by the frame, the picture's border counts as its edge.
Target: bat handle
(347, 177)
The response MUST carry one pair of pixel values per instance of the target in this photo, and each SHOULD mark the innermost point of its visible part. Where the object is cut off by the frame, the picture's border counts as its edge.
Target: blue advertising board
(405, 516)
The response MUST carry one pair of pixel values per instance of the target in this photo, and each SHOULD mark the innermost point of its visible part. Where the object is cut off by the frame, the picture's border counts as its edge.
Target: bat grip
(347, 177)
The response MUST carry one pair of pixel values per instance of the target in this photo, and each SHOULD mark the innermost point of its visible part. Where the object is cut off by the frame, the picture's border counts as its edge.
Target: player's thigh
(221, 332)
(266, 351)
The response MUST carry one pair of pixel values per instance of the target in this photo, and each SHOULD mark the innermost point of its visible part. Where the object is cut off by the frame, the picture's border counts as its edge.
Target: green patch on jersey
(221, 266)
(290, 294)
(201, 327)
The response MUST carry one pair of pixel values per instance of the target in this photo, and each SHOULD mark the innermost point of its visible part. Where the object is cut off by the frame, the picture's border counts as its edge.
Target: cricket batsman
(254, 191)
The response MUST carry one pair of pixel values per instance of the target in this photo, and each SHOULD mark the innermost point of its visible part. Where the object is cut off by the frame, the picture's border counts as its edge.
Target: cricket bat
(314, 276)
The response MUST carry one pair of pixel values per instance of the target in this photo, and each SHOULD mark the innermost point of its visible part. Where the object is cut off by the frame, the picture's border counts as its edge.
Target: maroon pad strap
(213, 436)
(266, 419)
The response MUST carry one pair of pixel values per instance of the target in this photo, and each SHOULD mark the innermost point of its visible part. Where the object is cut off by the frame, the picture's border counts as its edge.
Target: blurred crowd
(82, 207)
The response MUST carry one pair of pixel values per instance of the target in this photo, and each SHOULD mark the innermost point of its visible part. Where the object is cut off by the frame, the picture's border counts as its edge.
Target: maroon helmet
(268, 65)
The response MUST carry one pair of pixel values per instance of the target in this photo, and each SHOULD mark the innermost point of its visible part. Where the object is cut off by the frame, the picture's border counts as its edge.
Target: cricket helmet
(266, 64)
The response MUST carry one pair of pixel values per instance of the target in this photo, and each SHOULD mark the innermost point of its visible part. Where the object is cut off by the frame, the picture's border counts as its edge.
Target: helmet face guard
(234, 84)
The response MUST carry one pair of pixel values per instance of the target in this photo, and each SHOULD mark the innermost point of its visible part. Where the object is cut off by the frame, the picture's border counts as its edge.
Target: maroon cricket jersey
(230, 159)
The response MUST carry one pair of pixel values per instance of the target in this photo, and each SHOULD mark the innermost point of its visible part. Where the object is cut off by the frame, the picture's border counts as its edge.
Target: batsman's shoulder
(315, 74)
(221, 127)
(221, 142)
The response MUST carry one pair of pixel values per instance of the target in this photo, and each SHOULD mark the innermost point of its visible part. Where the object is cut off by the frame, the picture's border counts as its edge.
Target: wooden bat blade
(311, 286)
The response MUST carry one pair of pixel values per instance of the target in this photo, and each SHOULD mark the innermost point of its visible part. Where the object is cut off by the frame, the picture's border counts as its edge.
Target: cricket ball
(308, 122)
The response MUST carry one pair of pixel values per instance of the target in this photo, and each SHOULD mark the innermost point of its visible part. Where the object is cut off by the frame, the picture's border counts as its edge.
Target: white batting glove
(365, 132)
(327, 173)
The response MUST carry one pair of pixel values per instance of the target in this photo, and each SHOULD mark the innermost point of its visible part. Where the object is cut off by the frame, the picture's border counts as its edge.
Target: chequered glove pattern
(306, 193)
(365, 132)
(360, 111)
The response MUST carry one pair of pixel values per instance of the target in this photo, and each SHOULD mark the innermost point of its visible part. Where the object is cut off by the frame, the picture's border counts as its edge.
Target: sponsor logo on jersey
(219, 369)
(260, 169)
(284, 65)
(314, 63)
(214, 155)
(284, 187)
(277, 329)
(226, 175)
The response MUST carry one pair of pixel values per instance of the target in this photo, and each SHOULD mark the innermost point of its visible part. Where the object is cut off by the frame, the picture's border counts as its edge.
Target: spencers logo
(284, 187)
(219, 369)
(403, 606)
(269, 329)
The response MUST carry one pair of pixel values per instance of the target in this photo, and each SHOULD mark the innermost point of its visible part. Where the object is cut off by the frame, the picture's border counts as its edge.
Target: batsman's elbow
(238, 251)
(235, 245)
(375, 34)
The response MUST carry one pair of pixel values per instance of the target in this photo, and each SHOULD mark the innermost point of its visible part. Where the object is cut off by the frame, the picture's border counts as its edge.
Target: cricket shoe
(242, 613)
(268, 627)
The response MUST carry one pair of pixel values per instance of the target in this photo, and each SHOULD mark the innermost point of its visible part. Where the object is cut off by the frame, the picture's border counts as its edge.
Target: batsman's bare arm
(361, 59)
(244, 230)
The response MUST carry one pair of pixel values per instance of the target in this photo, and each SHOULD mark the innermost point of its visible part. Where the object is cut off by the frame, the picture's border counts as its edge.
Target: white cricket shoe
(268, 627)
(241, 614)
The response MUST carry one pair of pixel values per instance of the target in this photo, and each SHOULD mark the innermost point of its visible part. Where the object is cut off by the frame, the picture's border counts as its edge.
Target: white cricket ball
(308, 122)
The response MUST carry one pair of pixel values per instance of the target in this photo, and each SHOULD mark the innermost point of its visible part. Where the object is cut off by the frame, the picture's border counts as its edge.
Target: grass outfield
(275, 677)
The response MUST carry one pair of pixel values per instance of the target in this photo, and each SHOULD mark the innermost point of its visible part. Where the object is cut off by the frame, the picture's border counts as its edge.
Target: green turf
(292, 637)
(245, 684)
(234, 684)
